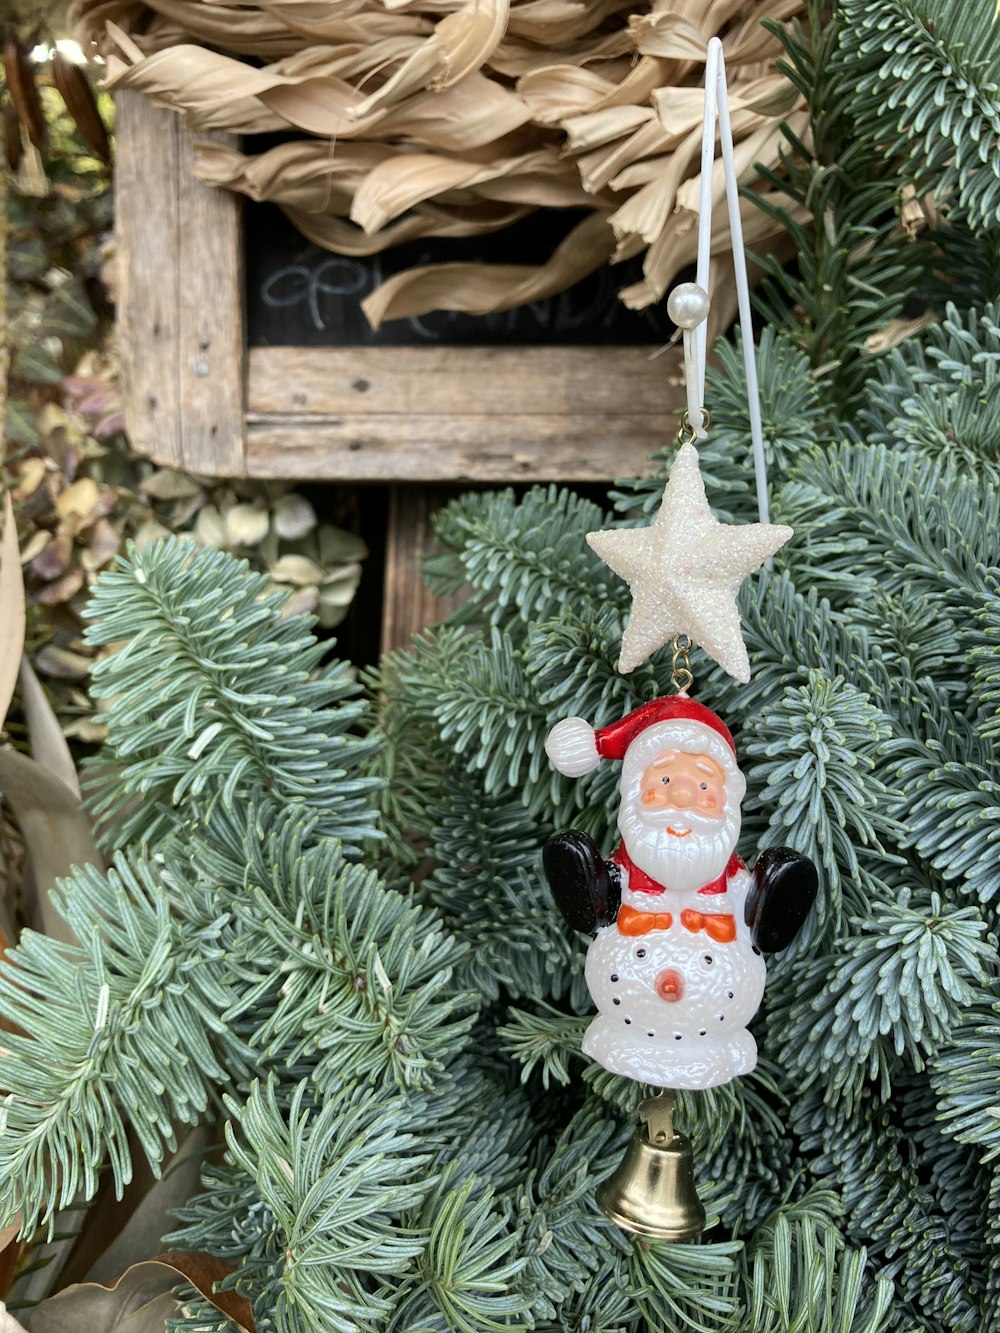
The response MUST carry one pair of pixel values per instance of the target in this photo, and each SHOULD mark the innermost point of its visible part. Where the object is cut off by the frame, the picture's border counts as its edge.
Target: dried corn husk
(418, 118)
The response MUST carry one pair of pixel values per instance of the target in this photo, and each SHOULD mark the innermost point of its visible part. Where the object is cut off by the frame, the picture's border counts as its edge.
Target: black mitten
(587, 890)
(784, 889)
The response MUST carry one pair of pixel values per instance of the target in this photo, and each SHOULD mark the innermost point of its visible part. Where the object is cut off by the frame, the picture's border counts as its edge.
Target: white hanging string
(696, 340)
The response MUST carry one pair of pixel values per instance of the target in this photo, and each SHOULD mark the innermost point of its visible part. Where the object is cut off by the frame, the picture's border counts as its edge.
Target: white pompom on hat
(572, 747)
(575, 748)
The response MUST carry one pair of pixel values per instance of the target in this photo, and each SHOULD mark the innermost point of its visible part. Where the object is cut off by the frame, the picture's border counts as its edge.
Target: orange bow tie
(631, 922)
(719, 926)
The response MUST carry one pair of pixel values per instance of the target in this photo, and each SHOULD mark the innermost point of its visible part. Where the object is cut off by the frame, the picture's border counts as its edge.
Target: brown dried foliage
(417, 118)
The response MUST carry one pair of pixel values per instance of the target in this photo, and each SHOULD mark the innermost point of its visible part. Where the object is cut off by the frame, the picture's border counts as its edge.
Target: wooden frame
(197, 398)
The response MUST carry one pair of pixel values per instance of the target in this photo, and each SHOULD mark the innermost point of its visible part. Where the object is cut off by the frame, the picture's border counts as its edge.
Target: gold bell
(653, 1191)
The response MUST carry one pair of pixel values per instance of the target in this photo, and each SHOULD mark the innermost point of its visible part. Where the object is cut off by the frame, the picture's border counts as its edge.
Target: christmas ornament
(685, 570)
(679, 923)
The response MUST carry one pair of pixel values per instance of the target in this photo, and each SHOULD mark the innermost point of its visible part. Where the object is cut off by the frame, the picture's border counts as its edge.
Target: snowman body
(674, 1000)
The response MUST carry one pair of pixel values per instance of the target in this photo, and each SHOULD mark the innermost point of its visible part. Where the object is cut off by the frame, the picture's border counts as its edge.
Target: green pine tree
(326, 926)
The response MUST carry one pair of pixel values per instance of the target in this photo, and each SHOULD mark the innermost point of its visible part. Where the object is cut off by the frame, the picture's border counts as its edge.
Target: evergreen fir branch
(216, 696)
(528, 559)
(792, 420)
(564, 1236)
(855, 268)
(967, 269)
(822, 558)
(864, 1156)
(333, 1180)
(950, 798)
(940, 391)
(501, 1159)
(926, 80)
(198, 1315)
(916, 640)
(896, 987)
(362, 977)
(956, 1178)
(411, 761)
(605, 1305)
(486, 714)
(802, 1276)
(814, 757)
(984, 657)
(693, 1286)
(489, 887)
(789, 634)
(926, 517)
(466, 1270)
(544, 1041)
(123, 1030)
(966, 1078)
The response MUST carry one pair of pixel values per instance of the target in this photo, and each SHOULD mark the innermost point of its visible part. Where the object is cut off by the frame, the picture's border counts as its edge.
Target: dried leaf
(76, 92)
(13, 143)
(55, 829)
(166, 484)
(30, 476)
(296, 569)
(103, 543)
(62, 663)
(81, 498)
(140, 1301)
(150, 531)
(460, 44)
(11, 608)
(457, 117)
(63, 589)
(336, 545)
(48, 745)
(132, 1226)
(23, 89)
(293, 517)
(480, 288)
(246, 524)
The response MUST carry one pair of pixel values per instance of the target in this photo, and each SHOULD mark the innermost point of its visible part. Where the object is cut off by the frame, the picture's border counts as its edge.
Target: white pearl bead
(687, 305)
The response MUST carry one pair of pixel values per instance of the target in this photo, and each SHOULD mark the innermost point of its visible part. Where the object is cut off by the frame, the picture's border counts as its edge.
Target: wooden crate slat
(496, 448)
(179, 303)
(462, 381)
(146, 221)
(407, 603)
(211, 345)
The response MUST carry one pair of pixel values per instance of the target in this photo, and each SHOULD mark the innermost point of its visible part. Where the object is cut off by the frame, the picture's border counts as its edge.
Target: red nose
(670, 984)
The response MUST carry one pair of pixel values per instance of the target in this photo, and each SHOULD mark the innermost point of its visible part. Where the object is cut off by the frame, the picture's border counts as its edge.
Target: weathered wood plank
(146, 221)
(407, 604)
(467, 381)
(498, 448)
(211, 352)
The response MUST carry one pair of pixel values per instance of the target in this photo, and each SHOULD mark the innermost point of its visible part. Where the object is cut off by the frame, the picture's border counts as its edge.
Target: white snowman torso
(676, 980)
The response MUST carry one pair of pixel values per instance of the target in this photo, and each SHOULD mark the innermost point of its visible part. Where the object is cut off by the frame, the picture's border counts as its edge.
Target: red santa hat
(575, 748)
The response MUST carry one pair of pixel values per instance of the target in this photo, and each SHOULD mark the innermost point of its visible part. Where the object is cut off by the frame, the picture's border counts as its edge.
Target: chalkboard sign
(299, 295)
(244, 351)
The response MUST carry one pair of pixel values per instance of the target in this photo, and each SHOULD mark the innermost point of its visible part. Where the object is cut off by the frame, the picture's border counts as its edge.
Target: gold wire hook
(680, 667)
(686, 433)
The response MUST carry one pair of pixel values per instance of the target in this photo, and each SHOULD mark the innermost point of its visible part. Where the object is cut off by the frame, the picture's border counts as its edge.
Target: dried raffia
(417, 118)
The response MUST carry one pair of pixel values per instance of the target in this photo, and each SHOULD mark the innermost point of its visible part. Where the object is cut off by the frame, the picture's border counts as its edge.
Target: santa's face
(680, 813)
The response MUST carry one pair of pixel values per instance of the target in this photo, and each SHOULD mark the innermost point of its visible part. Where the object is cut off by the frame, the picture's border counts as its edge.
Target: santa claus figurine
(679, 922)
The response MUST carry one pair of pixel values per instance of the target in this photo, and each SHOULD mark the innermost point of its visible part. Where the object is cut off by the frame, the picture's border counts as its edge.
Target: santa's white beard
(679, 863)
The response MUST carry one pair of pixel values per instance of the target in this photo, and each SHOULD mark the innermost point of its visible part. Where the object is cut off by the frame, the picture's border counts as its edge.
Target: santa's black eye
(704, 786)
(664, 779)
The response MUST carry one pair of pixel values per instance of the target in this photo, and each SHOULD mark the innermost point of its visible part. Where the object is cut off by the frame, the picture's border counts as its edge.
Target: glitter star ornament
(685, 570)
